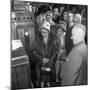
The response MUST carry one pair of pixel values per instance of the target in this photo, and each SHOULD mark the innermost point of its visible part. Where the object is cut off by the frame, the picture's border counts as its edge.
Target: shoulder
(82, 47)
(78, 51)
(74, 54)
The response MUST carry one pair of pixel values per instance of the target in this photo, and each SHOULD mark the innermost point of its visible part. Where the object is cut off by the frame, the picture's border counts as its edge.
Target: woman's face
(59, 32)
(44, 33)
(65, 15)
(48, 18)
(70, 17)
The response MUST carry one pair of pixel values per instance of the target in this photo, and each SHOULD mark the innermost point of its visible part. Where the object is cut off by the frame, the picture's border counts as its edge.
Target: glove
(45, 60)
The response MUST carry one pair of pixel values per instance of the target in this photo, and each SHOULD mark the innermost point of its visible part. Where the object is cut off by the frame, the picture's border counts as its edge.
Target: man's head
(77, 19)
(55, 11)
(70, 17)
(62, 8)
(78, 33)
(65, 15)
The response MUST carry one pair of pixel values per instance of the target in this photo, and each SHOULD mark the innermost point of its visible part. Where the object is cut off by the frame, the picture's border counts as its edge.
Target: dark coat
(46, 51)
(56, 19)
(74, 70)
(68, 42)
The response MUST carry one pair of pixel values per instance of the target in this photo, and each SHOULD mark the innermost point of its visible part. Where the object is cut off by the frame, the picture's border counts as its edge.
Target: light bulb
(26, 33)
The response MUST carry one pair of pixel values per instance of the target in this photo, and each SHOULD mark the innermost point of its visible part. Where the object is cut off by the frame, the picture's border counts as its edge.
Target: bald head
(78, 33)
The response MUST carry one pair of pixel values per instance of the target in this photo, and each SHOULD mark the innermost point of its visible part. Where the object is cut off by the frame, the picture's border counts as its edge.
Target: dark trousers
(35, 74)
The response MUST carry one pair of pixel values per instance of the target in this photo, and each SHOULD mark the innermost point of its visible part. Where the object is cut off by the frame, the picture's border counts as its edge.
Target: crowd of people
(60, 53)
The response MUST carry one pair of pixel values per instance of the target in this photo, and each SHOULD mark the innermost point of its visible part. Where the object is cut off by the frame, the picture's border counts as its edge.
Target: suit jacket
(68, 42)
(74, 70)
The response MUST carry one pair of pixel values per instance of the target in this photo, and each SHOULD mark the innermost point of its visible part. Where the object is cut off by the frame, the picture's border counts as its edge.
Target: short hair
(77, 18)
(70, 14)
(81, 26)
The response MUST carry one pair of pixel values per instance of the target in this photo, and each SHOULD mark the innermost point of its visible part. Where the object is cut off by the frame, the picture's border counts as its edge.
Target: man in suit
(74, 70)
(68, 41)
(56, 16)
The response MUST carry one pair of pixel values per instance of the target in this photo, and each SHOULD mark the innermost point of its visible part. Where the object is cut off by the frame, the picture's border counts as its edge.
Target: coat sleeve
(54, 53)
(71, 68)
(36, 53)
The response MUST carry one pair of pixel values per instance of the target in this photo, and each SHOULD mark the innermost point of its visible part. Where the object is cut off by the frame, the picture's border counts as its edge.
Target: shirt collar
(81, 42)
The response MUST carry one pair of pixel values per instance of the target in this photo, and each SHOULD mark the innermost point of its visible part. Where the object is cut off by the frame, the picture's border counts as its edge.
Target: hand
(45, 60)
